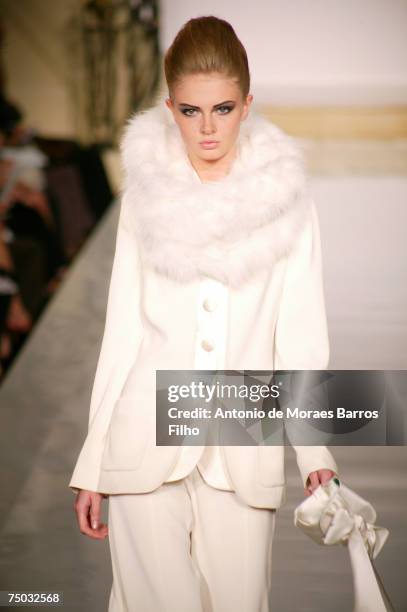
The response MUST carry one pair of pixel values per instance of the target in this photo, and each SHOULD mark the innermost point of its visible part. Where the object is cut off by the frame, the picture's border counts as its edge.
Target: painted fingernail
(336, 481)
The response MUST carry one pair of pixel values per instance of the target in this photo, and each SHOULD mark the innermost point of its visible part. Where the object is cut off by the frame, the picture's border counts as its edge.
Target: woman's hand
(87, 508)
(316, 478)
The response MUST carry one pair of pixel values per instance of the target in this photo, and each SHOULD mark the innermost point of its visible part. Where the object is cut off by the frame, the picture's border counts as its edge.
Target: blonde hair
(204, 45)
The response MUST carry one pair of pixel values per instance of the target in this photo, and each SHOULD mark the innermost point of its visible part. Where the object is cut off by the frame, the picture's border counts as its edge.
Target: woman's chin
(210, 154)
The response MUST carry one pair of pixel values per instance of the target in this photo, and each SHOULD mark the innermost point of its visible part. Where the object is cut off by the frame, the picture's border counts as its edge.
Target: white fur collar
(227, 229)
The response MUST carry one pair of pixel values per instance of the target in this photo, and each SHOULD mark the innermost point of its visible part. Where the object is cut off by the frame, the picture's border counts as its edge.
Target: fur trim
(227, 229)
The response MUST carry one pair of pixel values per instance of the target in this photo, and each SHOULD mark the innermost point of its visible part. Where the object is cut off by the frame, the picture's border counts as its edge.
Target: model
(217, 266)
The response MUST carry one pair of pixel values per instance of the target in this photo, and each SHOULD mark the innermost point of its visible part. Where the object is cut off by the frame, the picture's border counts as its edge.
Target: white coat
(217, 275)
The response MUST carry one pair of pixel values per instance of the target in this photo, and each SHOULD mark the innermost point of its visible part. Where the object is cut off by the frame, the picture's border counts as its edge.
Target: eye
(188, 112)
(227, 109)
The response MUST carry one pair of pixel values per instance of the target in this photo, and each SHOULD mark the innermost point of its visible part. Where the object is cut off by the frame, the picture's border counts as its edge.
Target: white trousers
(188, 547)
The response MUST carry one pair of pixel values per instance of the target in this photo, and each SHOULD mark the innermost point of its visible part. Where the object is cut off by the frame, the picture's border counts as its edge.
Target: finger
(98, 534)
(85, 528)
(313, 481)
(82, 510)
(82, 515)
(326, 475)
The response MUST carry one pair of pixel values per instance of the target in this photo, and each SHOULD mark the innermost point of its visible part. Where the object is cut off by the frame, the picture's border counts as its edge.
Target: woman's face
(208, 109)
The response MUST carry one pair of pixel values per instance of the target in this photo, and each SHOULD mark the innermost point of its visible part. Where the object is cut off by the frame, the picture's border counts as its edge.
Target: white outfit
(223, 275)
(212, 320)
(187, 547)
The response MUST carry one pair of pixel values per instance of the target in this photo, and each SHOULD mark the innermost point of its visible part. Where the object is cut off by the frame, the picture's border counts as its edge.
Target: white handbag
(334, 514)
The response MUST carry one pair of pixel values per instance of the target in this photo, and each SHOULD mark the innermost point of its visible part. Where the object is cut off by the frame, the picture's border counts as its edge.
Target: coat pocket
(128, 436)
(270, 466)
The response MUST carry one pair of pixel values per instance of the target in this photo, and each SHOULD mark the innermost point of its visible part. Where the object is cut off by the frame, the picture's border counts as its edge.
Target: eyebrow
(197, 107)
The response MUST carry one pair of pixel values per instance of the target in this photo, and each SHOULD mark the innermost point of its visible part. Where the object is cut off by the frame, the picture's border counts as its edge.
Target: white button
(210, 304)
(208, 346)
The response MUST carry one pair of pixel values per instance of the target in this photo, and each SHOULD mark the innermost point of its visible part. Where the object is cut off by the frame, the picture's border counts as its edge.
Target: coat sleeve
(121, 337)
(301, 338)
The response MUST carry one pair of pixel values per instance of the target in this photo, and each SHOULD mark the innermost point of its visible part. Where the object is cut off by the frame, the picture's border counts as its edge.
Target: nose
(207, 125)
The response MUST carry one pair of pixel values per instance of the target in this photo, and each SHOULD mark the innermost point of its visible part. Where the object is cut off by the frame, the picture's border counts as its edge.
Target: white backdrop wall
(312, 51)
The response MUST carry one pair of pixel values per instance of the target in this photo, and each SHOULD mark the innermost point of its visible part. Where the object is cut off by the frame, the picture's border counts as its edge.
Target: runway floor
(45, 397)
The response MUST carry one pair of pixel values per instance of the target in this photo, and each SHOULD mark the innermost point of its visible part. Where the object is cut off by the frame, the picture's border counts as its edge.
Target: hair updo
(204, 45)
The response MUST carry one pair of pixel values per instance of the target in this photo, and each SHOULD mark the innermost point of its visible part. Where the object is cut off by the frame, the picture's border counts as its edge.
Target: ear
(246, 106)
